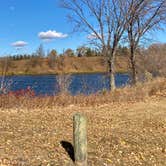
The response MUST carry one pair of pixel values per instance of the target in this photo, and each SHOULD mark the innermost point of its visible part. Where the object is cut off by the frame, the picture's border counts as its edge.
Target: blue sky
(27, 22)
(23, 20)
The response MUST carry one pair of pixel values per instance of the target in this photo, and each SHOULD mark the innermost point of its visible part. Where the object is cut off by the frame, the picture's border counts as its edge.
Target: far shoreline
(59, 73)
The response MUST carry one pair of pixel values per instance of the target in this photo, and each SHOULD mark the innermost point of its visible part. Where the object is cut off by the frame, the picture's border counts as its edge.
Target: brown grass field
(126, 127)
(65, 65)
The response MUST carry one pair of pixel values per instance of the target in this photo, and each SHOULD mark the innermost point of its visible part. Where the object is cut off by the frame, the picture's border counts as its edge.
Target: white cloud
(49, 35)
(19, 44)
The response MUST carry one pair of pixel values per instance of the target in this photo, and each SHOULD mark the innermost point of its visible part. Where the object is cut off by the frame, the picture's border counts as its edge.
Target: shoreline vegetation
(136, 93)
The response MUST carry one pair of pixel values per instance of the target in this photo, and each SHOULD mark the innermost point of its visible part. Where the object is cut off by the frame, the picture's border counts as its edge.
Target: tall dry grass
(139, 92)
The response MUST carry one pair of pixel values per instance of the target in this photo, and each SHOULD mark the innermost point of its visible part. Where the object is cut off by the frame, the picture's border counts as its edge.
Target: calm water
(80, 83)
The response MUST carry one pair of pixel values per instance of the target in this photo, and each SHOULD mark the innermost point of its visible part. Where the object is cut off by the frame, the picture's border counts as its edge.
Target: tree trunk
(133, 66)
(111, 65)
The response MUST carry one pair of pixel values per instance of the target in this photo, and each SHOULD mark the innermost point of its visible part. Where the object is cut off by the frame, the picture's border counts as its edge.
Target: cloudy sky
(25, 24)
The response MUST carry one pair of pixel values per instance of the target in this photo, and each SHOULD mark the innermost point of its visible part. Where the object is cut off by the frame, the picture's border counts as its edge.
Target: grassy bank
(63, 65)
(126, 127)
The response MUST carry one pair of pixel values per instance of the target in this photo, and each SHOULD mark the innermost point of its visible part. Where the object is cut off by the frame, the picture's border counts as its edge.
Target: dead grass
(118, 134)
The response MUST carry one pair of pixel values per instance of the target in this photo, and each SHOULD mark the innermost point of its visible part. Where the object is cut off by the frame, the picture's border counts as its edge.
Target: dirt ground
(120, 134)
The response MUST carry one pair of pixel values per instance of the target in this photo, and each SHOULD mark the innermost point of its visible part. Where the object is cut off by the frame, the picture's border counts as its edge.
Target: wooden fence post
(80, 139)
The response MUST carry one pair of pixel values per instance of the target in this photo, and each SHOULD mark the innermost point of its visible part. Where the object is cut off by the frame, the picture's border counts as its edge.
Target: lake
(79, 83)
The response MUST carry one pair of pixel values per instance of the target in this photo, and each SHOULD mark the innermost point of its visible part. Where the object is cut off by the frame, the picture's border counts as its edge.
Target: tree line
(81, 51)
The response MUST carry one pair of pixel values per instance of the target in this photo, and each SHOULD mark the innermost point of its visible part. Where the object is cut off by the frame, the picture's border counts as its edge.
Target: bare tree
(52, 56)
(104, 21)
(69, 52)
(153, 60)
(40, 51)
(144, 16)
